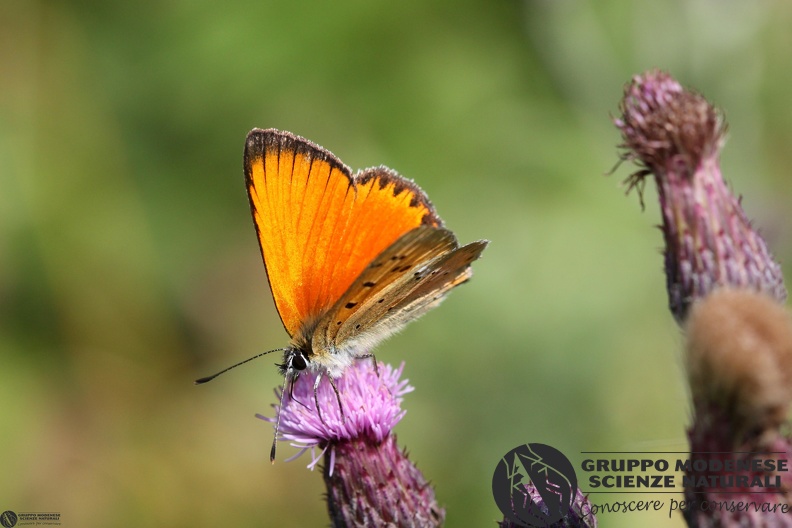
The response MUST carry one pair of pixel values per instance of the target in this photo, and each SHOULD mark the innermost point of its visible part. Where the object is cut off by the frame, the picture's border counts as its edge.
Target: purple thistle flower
(676, 135)
(370, 481)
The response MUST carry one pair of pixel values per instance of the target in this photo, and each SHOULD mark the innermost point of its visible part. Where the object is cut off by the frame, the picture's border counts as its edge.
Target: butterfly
(351, 258)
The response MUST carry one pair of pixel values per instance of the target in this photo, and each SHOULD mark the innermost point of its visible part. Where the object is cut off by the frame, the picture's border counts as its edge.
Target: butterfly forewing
(318, 226)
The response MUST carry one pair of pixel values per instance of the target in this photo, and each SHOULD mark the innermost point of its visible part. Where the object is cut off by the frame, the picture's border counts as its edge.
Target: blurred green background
(129, 265)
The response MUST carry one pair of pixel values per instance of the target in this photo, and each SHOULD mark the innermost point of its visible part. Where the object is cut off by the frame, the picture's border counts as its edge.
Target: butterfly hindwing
(403, 282)
(439, 277)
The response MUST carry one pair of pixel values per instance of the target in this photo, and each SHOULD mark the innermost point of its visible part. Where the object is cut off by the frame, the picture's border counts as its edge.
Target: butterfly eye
(298, 361)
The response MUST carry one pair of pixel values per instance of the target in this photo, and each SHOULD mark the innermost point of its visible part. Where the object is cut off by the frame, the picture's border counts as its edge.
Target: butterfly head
(294, 362)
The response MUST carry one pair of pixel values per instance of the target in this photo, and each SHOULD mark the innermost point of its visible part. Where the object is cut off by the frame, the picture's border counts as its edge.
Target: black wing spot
(405, 268)
(357, 326)
(350, 305)
(380, 301)
(338, 323)
(395, 257)
(369, 284)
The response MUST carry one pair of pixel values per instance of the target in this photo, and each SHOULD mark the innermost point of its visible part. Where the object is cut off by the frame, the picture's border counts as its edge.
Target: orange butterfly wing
(318, 225)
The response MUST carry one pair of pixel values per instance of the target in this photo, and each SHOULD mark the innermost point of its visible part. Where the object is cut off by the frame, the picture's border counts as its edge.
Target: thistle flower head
(372, 407)
(675, 135)
(369, 480)
(667, 128)
(739, 359)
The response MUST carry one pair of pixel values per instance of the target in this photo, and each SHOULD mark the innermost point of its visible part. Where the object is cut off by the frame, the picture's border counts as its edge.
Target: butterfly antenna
(210, 378)
(277, 421)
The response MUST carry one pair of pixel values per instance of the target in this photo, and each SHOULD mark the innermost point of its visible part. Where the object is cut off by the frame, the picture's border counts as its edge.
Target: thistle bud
(675, 135)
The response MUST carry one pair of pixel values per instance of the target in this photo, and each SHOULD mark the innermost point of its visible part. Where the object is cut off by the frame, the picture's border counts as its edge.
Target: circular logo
(8, 518)
(534, 485)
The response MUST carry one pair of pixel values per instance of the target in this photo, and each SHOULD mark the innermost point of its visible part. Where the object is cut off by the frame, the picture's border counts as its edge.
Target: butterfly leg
(316, 398)
(291, 390)
(338, 397)
(376, 367)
